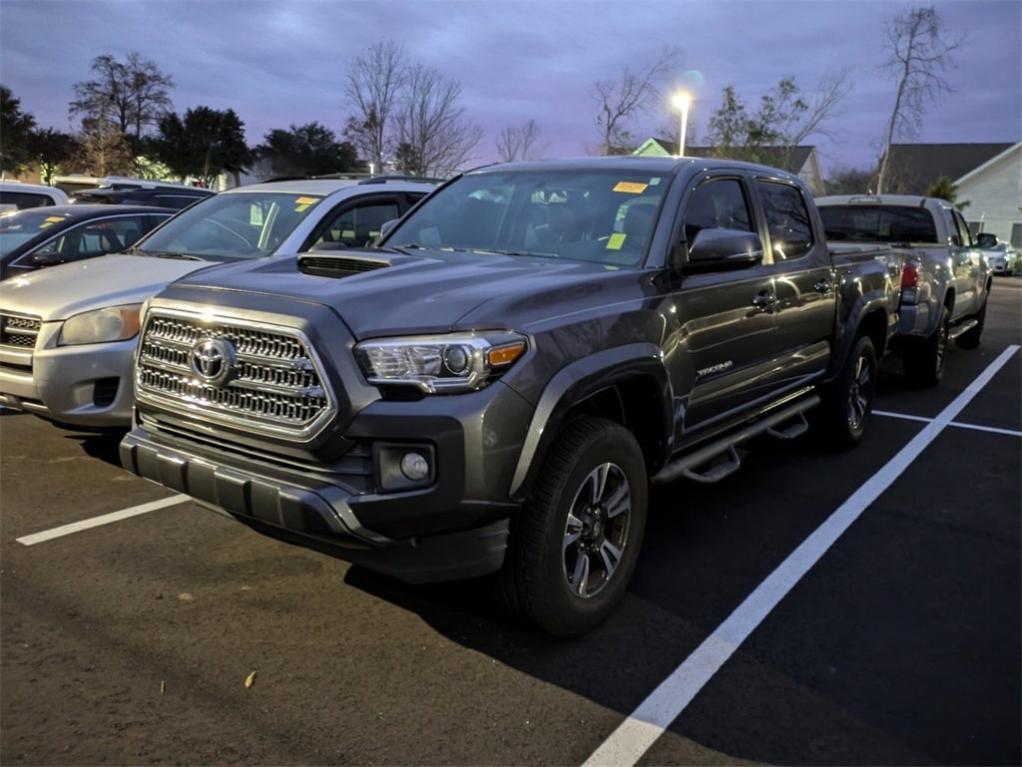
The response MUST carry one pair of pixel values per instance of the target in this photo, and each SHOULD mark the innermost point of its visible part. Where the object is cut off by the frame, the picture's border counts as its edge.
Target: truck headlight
(115, 323)
(440, 364)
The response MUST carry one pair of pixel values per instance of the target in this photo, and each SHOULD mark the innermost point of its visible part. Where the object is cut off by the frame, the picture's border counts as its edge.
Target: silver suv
(68, 333)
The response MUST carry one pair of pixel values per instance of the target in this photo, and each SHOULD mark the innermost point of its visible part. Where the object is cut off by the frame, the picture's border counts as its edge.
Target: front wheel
(847, 402)
(574, 544)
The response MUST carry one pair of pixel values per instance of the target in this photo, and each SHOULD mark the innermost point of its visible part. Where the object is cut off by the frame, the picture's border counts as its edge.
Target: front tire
(843, 414)
(575, 543)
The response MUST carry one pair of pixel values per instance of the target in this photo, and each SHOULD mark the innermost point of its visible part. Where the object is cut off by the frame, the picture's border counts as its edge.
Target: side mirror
(986, 240)
(723, 249)
(387, 228)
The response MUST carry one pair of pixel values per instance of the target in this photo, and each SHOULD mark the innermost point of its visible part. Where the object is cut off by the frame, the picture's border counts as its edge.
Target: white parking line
(639, 731)
(103, 519)
(956, 424)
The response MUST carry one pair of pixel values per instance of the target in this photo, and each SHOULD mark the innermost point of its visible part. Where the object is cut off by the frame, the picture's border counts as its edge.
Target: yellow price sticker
(302, 203)
(615, 241)
(630, 187)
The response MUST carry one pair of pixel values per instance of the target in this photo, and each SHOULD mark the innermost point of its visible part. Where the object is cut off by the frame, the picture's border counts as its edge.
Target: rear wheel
(924, 359)
(840, 421)
(575, 543)
(970, 339)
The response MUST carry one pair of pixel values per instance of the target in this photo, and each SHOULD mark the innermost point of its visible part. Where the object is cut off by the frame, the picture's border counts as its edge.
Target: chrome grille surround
(279, 387)
(19, 331)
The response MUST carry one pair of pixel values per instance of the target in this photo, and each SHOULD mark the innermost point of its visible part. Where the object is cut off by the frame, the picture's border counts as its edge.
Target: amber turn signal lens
(505, 355)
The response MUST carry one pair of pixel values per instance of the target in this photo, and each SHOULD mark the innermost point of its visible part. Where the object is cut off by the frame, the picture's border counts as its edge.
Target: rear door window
(788, 221)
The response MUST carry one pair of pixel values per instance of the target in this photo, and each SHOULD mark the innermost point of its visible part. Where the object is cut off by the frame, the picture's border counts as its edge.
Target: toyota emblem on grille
(213, 360)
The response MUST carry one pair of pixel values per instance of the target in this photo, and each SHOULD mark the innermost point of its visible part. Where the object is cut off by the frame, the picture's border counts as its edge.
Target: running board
(793, 430)
(961, 329)
(688, 465)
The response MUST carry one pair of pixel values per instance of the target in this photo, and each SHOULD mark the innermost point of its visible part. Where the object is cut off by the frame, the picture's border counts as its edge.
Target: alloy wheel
(596, 531)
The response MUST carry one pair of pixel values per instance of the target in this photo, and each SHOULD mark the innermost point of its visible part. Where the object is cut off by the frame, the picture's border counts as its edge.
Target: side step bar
(688, 465)
(961, 328)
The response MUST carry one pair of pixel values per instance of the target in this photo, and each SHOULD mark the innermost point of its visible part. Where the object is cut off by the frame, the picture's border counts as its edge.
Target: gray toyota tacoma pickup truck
(493, 387)
(945, 279)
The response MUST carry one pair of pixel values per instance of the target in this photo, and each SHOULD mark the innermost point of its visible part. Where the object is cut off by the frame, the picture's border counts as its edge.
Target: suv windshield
(878, 223)
(230, 226)
(603, 216)
(18, 228)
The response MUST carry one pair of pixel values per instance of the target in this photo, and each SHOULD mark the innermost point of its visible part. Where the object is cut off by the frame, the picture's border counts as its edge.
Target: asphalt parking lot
(131, 642)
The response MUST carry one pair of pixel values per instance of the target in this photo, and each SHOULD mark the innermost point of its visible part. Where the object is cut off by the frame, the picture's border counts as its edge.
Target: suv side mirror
(986, 240)
(724, 249)
(387, 227)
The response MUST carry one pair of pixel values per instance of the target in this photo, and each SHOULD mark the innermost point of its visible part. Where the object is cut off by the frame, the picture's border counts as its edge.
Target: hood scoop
(339, 266)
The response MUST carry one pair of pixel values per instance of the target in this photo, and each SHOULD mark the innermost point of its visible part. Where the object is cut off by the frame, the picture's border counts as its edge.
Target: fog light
(414, 466)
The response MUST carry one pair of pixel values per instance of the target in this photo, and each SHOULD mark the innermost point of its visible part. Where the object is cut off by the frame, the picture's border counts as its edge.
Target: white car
(16, 196)
(68, 333)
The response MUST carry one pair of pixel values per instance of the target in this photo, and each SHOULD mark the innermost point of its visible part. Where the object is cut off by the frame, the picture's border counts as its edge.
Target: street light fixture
(681, 101)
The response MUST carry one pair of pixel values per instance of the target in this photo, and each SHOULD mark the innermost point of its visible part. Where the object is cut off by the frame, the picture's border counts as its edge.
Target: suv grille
(18, 330)
(275, 385)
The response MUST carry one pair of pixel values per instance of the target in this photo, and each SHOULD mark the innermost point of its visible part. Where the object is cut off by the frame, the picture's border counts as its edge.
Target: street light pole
(681, 102)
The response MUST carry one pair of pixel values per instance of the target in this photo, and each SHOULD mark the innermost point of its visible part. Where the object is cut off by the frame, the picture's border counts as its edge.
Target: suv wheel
(848, 400)
(924, 360)
(970, 339)
(575, 542)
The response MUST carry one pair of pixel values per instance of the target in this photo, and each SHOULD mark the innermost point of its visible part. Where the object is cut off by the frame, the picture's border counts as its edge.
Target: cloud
(284, 62)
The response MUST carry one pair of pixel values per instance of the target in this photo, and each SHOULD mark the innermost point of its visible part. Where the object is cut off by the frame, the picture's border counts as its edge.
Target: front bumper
(315, 511)
(87, 385)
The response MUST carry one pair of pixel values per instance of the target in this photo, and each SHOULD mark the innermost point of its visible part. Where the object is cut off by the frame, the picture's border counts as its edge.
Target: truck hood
(430, 292)
(57, 292)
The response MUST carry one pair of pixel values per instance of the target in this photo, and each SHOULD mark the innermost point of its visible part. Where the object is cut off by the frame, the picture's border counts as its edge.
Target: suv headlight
(440, 364)
(115, 323)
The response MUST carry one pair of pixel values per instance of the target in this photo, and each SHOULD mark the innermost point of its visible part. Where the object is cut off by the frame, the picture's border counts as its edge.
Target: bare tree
(919, 54)
(519, 142)
(374, 81)
(631, 93)
(800, 118)
(434, 136)
(130, 95)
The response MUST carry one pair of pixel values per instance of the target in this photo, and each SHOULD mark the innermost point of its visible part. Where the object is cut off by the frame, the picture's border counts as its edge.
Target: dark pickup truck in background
(492, 388)
(946, 278)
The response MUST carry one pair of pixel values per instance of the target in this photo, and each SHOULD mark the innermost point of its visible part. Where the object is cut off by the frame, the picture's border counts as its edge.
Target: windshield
(18, 228)
(606, 217)
(878, 223)
(230, 227)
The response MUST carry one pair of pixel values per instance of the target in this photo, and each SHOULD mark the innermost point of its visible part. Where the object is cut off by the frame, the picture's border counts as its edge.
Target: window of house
(787, 217)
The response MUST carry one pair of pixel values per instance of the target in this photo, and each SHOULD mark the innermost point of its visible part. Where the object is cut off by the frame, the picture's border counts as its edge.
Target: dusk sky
(282, 62)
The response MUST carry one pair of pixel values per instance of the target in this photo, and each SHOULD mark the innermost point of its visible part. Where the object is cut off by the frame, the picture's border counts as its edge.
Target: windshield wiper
(165, 254)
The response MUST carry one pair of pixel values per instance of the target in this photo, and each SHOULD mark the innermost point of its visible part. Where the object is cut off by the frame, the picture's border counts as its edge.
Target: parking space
(131, 642)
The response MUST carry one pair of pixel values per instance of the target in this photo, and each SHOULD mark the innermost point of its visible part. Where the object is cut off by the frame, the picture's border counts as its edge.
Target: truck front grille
(18, 330)
(274, 384)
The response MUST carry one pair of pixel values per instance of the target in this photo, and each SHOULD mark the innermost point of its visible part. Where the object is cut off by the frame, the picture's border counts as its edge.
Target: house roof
(773, 156)
(914, 167)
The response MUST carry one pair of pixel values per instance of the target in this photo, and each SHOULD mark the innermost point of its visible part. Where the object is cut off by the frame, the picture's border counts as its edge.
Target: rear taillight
(909, 276)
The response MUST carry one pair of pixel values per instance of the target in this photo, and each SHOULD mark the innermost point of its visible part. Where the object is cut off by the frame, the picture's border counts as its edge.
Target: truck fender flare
(576, 381)
(865, 307)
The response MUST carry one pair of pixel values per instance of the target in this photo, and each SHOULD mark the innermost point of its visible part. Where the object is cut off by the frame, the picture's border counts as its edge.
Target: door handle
(823, 286)
(764, 299)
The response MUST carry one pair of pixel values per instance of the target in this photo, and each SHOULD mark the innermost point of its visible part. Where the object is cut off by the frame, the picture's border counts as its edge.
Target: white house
(994, 193)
